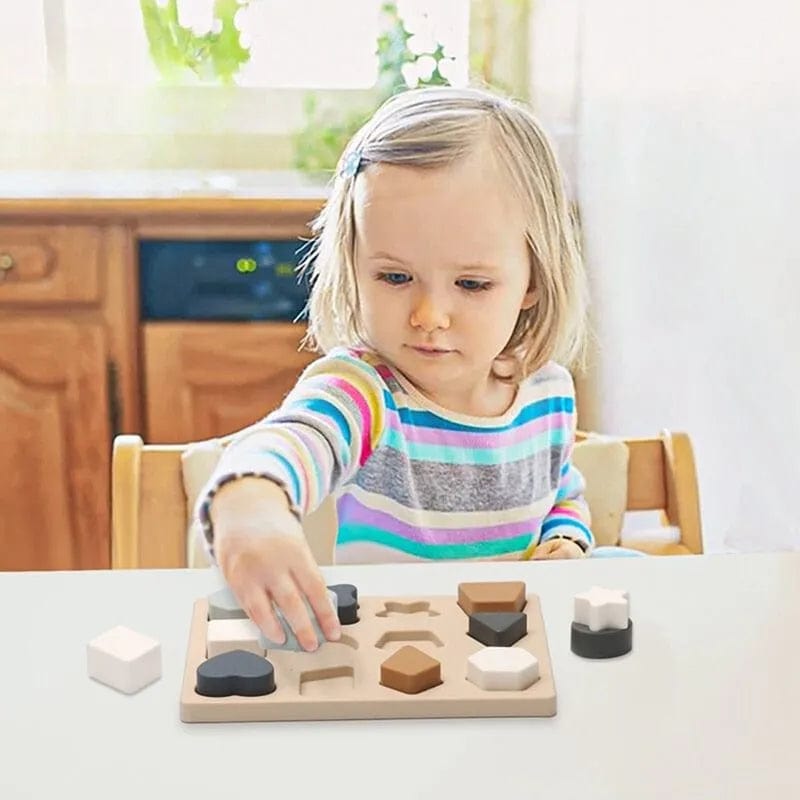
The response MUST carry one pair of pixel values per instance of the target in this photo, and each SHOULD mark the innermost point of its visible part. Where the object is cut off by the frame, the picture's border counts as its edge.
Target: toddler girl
(447, 299)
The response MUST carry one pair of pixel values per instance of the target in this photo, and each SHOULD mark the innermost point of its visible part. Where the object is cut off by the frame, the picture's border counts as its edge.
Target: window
(81, 89)
(293, 44)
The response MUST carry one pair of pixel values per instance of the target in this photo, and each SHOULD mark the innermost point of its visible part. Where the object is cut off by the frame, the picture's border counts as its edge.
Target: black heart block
(235, 672)
(347, 598)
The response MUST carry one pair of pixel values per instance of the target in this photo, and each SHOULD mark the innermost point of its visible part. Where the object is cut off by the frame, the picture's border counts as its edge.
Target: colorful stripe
(435, 552)
(422, 419)
(453, 454)
(359, 515)
(477, 439)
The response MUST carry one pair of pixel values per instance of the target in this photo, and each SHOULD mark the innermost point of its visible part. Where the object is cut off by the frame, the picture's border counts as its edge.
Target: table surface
(707, 705)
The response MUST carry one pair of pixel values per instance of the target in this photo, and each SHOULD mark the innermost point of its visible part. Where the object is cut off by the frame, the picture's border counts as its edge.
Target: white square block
(124, 659)
(224, 635)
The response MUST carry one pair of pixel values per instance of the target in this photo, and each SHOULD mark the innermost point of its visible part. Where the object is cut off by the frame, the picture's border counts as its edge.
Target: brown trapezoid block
(489, 596)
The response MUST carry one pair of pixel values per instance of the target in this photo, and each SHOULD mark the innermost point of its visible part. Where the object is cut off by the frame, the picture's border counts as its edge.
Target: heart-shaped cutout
(347, 605)
(237, 672)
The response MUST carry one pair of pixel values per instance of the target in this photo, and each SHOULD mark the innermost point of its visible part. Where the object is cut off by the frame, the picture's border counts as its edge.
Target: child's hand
(558, 548)
(264, 557)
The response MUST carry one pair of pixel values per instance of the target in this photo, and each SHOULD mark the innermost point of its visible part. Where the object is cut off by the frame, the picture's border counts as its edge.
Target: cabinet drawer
(49, 264)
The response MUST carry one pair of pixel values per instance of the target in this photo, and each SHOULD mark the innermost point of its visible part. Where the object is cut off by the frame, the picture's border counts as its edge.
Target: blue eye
(472, 285)
(394, 278)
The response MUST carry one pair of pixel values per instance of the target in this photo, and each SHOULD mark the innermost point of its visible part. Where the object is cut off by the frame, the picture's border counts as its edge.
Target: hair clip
(351, 164)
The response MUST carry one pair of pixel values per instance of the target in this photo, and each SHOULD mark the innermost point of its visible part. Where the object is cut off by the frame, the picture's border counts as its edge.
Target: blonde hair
(432, 127)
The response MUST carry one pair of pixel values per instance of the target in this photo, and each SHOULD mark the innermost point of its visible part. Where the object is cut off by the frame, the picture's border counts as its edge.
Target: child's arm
(324, 430)
(262, 552)
(275, 472)
(566, 531)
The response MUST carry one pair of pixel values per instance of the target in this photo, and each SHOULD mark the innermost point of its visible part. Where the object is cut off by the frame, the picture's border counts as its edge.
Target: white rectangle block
(225, 635)
(124, 659)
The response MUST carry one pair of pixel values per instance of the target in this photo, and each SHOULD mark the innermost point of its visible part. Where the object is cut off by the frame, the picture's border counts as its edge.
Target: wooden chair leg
(683, 502)
(125, 493)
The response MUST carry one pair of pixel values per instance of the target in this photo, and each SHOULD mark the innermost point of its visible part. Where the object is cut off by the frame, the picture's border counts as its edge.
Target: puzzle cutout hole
(391, 608)
(332, 654)
(327, 682)
(404, 637)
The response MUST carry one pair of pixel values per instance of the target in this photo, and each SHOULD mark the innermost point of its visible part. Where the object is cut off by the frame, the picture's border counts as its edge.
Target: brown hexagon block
(411, 671)
(491, 596)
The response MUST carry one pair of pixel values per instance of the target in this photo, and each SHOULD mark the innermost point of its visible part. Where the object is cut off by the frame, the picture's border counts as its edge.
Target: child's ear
(530, 299)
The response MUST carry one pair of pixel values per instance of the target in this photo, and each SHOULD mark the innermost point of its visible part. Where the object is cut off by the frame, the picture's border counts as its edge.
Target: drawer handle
(6, 262)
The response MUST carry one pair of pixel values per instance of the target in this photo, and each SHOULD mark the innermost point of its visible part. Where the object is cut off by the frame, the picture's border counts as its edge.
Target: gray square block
(223, 605)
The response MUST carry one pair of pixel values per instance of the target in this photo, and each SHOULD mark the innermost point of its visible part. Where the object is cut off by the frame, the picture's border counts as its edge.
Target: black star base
(606, 643)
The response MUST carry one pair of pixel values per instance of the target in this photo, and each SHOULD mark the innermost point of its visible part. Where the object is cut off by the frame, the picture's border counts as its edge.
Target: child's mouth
(431, 351)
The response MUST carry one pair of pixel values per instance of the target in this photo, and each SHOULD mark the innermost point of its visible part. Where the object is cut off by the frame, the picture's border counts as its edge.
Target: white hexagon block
(503, 668)
(124, 659)
(224, 635)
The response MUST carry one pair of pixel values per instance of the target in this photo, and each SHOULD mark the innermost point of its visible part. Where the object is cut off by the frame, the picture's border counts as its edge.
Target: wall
(687, 123)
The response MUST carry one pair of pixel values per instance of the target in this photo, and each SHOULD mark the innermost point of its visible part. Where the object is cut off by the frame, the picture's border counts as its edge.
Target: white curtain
(680, 127)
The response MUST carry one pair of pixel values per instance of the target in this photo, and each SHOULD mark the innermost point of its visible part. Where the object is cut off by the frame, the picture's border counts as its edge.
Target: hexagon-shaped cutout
(503, 669)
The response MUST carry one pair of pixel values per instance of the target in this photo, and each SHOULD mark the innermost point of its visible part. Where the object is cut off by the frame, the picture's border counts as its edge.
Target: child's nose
(430, 314)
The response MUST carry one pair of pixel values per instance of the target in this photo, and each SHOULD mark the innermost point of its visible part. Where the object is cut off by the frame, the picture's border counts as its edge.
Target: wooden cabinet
(79, 365)
(209, 379)
(54, 445)
(65, 343)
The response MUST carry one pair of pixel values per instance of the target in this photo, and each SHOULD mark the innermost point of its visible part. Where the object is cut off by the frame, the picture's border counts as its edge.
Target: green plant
(394, 54)
(178, 52)
(318, 145)
(321, 141)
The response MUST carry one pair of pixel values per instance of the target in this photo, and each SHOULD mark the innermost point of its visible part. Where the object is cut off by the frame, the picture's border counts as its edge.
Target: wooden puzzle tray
(385, 660)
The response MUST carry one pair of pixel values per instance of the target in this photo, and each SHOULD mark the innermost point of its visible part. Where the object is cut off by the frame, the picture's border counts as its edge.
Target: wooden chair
(662, 477)
(149, 514)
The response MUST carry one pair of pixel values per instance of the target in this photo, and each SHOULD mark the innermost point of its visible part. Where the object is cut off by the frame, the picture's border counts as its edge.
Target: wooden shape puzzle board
(341, 680)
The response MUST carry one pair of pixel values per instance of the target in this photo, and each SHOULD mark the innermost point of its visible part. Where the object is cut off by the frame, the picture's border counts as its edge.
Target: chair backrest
(149, 506)
(662, 476)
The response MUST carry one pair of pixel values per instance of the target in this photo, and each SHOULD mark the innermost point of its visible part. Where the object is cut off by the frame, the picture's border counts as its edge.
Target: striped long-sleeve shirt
(410, 480)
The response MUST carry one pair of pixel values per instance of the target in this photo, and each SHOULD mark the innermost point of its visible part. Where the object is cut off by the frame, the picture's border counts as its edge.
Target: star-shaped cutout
(601, 608)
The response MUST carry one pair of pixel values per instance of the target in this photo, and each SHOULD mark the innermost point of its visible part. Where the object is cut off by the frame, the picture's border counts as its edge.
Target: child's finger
(570, 549)
(259, 610)
(546, 549)
(313, 586)
(289, 600)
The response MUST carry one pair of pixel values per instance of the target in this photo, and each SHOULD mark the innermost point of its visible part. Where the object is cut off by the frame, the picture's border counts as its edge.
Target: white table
(706, 706)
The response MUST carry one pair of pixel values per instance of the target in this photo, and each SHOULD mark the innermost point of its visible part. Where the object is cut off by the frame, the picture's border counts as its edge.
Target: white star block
(124, 659)
(601, 608)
